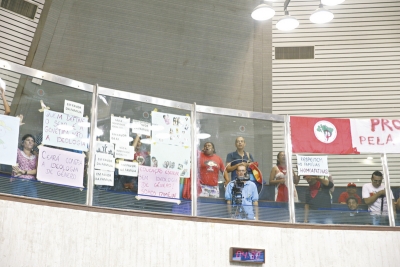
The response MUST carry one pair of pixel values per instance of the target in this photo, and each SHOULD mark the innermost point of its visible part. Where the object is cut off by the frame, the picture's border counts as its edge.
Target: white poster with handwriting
(158, 182)
(170, 129)
(141, 127)
(9, 132)
(73, 108)
(104, 162)
(64, 130)
(103, 177)
(124, 152)
(128, 168)
(312, 165)
(60, 167)
(171, 157)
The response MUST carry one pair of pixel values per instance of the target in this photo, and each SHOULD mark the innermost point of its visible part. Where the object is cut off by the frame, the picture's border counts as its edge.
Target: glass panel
(394, 169)
(46, 154)
(344, 203)
(142, 159)
(224, 144)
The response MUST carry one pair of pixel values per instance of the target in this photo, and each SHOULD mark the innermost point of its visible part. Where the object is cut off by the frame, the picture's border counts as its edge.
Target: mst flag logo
(325, 132)
(321, 135)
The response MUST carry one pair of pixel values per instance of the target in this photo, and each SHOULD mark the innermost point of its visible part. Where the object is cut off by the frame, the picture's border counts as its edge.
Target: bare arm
(226, 178)
(296, 178)
(323, 181)
(373, 198)
(7, 109)
(272, 175)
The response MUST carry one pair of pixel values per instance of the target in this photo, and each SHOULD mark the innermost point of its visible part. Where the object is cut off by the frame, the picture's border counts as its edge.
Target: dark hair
(277, 158)
(355, 199)
(212, 144)
(28, 135)
(376, 173)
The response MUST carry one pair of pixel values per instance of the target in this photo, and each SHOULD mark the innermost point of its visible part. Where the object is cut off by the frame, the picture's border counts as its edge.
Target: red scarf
(314, 189)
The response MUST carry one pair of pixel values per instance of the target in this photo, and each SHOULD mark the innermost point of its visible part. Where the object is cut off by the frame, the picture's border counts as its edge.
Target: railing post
(93, 127)
(387, 189)
(194, 161)
(289, 170)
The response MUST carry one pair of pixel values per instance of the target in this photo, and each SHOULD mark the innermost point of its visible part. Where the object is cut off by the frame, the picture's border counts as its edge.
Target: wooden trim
(156, 215)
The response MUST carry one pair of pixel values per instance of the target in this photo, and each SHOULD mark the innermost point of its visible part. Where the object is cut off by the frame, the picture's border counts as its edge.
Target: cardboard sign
(73, 108)
(9, 132)
(158, 182)
(128, 168)
(312, 165)
(124, 152)
(64, 130)
(103, 177)
(104, 162)
(141, 127)
(60, 167)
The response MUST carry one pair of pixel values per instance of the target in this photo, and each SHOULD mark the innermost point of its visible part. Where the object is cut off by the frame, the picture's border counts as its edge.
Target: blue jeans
(24, 187)
(380, 219)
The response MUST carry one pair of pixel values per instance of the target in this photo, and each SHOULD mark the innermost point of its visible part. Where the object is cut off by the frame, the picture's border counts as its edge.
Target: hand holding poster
(312, 165)
(63, 130)
(9, 132)
(60, 167)
(158, 182)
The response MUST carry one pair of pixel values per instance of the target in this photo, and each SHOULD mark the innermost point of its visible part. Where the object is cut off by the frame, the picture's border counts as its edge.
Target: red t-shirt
(343, 197)
(209, 167)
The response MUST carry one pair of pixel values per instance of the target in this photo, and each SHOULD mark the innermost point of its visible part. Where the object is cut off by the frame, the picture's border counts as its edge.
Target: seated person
(351, 191)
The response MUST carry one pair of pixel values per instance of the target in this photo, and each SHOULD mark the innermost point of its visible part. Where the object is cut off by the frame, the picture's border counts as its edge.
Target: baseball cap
(351, 185)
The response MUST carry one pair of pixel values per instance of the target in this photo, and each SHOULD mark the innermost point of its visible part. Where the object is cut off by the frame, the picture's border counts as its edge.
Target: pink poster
(158, 182)
(60, 167)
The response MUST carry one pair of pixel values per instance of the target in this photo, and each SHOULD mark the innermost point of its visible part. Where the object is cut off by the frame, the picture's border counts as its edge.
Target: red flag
(321, 135)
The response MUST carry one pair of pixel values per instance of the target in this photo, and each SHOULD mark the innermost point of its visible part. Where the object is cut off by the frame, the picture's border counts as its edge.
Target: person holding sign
(7, 109)
(278, 178)
(26, 168)
(317, 198)
(210, 165)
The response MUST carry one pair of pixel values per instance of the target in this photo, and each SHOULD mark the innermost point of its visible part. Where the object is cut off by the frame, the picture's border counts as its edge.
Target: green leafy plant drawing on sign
(326, 130)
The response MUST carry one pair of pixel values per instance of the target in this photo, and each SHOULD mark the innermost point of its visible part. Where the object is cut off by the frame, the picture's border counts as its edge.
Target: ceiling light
(263, 12)
(321, 15)
(287, 23)
(331, 2)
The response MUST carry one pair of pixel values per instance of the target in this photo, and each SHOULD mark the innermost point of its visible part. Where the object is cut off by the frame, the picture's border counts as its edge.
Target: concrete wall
(36, 235)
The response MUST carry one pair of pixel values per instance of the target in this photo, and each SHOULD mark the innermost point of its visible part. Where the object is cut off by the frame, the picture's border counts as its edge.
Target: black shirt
(322, 200)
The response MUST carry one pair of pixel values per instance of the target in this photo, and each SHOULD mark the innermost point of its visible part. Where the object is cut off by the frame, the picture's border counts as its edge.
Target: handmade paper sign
(73, 108)
(105, 148)
(104, 162)
(9, 132)
(60, 167)
(124, 152)
(141, 127)
(103, 177)
(178, 160)
(128, 168)
(64, 130)
(170, 129)
(312, 165)
(158, 182)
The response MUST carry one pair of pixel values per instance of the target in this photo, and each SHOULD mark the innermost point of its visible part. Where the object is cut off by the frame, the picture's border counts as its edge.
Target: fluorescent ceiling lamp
(287, 23)
(331, 2)
(203, 136)
(321, 15)
(262, 12)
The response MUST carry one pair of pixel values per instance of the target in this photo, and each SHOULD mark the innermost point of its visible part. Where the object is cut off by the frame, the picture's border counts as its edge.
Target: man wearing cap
(374, 196)
(351, 191)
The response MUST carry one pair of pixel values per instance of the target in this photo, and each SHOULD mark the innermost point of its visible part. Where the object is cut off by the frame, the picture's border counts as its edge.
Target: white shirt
(368, 190)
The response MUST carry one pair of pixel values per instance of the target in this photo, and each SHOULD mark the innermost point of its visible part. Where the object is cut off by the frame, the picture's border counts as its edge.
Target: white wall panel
(34, 235)
(16, 34)
(355, 74)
